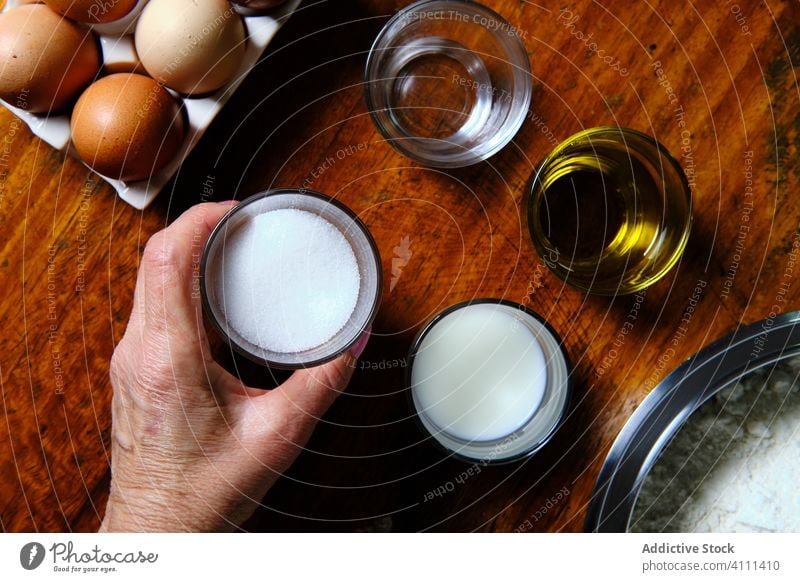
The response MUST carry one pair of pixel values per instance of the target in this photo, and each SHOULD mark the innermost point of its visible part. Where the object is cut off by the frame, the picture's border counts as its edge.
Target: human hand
(193, 448)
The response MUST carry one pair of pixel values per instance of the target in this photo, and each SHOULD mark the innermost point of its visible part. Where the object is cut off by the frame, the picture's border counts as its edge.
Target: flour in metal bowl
(734, 465)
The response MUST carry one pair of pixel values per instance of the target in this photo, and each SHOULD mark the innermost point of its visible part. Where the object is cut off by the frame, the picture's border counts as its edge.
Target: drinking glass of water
(448, 82)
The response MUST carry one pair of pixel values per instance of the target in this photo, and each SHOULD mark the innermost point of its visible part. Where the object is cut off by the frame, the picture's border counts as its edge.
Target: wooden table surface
(715, 81)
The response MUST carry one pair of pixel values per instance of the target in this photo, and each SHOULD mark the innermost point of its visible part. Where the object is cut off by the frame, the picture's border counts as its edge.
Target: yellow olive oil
(610, 210)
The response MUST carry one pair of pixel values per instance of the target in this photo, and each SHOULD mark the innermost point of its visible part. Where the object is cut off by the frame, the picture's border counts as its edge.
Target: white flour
(735, 464)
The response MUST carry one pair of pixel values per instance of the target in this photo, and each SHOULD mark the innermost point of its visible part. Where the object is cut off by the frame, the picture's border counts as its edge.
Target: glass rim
(218, 326)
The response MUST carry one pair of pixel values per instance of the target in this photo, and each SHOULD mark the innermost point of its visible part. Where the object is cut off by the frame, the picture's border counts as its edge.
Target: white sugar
(289, 280)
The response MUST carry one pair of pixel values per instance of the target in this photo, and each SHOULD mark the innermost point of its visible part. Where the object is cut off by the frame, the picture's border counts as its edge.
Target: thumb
(296, 406)
(311, 391)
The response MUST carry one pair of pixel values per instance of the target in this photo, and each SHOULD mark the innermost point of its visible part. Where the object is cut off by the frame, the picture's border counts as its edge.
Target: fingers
(165, 343)
(291, 411)
(308, 393)
(299, 403)
(167, 288)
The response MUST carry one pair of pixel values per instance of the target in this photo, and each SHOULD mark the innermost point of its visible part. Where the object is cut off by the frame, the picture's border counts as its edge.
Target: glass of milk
(290, 278)
(490, 380)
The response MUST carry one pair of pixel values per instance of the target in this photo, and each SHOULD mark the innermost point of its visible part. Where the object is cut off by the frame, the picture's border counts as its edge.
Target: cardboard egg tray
(118, 53)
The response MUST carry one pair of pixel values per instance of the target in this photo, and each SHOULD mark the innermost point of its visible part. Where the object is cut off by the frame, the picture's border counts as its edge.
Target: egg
(127, 126)
(92, 11)
(192, 47)
(46, 59)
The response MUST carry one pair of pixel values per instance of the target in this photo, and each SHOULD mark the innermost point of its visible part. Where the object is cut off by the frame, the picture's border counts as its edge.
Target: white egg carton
(116, 42)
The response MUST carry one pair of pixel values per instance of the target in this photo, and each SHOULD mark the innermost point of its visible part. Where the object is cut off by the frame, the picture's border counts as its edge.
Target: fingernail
(228, 202)
(359, 347)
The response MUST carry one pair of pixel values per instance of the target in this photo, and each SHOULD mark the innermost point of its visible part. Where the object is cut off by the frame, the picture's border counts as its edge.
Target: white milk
(479, 373)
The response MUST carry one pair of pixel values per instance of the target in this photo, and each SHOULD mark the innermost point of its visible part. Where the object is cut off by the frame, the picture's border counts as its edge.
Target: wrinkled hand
(194, 449)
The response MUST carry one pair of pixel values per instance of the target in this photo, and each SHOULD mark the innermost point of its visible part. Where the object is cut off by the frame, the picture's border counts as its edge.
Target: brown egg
(127, 126)
(92, 11)
(46, 59)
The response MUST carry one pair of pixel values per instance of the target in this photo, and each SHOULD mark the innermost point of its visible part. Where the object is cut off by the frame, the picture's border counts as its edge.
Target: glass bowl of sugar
(290, 278)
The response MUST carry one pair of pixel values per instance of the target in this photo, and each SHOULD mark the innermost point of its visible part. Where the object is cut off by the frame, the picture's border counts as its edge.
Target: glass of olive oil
(609, 211)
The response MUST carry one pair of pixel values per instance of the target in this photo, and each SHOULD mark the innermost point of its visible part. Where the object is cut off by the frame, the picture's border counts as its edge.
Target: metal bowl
(666, 408)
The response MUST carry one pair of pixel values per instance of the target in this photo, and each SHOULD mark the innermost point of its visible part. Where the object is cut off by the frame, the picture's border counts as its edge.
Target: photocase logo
(31, 555)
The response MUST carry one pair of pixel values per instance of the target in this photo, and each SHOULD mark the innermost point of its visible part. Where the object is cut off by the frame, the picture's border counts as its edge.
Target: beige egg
(127, 126)
(92, 11)
(193, 47)
(45, 60)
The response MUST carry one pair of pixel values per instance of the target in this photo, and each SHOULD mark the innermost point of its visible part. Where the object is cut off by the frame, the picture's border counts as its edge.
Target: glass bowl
(609, 211)
(448, 82)
(212, 273)
(544, 418)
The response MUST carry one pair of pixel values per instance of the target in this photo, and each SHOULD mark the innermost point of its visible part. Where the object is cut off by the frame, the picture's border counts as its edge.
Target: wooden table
(70, 250)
